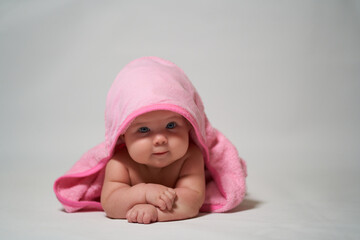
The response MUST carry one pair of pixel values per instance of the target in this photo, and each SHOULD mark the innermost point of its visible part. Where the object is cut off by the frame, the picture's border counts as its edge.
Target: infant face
(158, 138)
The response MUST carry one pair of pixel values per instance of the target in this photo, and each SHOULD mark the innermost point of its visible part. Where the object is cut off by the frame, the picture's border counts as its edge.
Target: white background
(281, 79)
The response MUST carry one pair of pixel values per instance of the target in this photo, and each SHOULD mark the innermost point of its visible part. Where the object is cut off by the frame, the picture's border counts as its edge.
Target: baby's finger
(167, 200)
(162, 204)
(147, 218)
(131, 216)
(140, 217)
(172, 191)
(170, 195)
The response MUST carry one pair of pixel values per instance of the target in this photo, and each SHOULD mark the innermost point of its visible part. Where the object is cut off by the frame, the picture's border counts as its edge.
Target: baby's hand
(142, 213)
(160, 196)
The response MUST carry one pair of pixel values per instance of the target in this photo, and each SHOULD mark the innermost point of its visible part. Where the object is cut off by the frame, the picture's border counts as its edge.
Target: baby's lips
(160, 153)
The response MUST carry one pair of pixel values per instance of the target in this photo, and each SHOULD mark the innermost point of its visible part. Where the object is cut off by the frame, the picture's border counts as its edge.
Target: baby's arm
(190, 189)
(117, 197)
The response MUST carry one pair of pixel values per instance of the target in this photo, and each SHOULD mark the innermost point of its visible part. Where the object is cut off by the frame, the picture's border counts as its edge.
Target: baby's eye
(171, 125)
(143, 130)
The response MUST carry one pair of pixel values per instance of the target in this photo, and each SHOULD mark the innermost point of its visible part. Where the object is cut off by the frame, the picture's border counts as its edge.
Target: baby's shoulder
(194, 163)
(194, 151)
(117, 168)
(121, 155)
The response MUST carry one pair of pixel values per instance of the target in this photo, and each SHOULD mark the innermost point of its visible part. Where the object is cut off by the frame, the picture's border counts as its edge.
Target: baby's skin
(159, 175)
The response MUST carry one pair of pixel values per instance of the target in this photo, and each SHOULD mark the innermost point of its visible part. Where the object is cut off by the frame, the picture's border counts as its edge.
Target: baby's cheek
(181, 147)
(137, 152)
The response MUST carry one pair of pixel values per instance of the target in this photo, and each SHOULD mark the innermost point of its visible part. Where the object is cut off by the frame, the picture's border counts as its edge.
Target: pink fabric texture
(148, 84)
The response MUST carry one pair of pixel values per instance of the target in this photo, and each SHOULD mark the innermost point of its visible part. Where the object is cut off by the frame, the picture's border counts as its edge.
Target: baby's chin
(160, 163)
(162, 160)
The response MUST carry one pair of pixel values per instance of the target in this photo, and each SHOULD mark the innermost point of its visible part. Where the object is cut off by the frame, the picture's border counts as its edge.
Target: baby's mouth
(160, 153)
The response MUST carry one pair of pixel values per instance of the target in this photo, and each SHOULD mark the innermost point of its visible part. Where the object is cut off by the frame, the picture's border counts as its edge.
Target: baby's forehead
(157, 116)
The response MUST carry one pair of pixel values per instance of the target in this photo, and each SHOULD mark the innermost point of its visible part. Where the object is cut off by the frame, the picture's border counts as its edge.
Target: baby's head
(157, 138)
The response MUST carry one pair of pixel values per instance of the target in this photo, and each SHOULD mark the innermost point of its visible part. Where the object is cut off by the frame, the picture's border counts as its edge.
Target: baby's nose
(160, 139)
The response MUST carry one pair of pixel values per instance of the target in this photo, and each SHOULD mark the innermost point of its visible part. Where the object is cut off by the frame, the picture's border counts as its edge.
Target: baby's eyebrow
(137, 124)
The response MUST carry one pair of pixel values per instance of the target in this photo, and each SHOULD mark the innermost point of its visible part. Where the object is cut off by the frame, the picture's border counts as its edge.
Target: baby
(158, 175)
(159, 146)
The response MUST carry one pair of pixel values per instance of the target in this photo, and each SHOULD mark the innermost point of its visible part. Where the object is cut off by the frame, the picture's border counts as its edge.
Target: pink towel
(147, 84)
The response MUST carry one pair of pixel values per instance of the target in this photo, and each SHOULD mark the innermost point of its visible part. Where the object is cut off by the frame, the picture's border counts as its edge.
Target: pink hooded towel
(148, 84)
